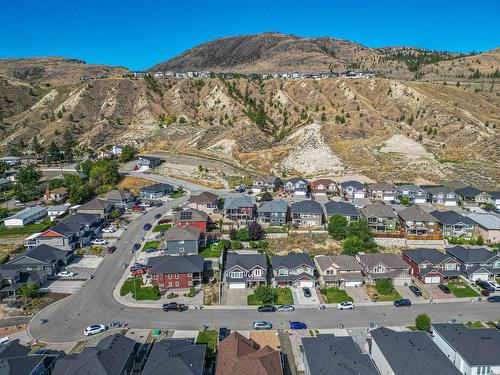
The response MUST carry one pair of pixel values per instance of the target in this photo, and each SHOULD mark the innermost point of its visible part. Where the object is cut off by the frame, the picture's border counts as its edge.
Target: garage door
(237, 286)
(432, 280)
(353, 283)
(308, 283)
(402, 281)
(482, 276)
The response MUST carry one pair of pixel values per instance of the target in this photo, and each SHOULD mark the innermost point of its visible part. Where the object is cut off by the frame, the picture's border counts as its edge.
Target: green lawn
(149, 244)
(476, 324)
(335, 295)
(213, 251)
(27, 229)
(162, 227)
(138, 291)
(389, 297)
(176, 194)
(461, 290)
(210, 338)
(282, 296)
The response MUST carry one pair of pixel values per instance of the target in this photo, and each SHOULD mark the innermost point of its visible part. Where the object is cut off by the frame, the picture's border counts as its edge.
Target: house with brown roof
(339, 270)
(418, 224)
(263, 184)
(239, 355)
(382, 191)
(206, 201)
(58, 195)
(324, 187)
(380, 217)
(96, 206)
(385, 266)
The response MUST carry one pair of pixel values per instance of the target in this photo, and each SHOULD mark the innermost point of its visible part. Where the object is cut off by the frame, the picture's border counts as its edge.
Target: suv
(262, 324)
(223, 333)
(485, 285)
(415, 290)
(147, 226)
(174, 306)
(266, 308)
(444, 288)
(346, 305)
(94, 329)
(307, 292)
(136, 247)
(402, 302)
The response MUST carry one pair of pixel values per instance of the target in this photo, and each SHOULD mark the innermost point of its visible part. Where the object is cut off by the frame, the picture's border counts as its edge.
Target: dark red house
(193, 218)
(431, 266)
(176, 272)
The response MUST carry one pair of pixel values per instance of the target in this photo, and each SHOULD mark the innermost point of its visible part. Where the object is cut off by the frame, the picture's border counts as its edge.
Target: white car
(346, 305)
(99, 241)
(66, 274)
(494, 285)
(94, 329)
(109, 230)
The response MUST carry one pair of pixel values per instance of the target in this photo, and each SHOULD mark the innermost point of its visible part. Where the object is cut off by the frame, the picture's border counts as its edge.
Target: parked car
(150, 250)
(402, 302)
(137, 267)
(223, 333)
(261, 325)
(157, 216)
(111, 249)
(493, 299)
(485, 285)
(494, 285)
(266, 308)
(66, 274)
(138, 208)
(99, 241)
(147, 226)
(138, 272)
(307, 292)
(136, 247)
(174, 306)
(444, 288)
(415, 290)
(109, 230)
(286, 308)
(94, 329)
(298, 325)
(346, 305)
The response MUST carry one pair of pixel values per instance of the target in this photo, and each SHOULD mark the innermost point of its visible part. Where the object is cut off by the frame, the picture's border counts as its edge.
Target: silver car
(286, 308)
(262, 325)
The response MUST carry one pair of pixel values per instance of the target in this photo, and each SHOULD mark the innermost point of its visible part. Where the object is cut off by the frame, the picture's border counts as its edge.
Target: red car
(138, 208)
(138, 272)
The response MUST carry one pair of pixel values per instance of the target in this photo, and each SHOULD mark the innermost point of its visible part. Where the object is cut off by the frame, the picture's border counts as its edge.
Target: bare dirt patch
(314, 244)
(133, 184)
(401, 144)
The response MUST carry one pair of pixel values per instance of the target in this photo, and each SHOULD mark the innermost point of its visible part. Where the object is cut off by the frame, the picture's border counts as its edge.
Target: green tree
(323, 117)
(480, 240)
(352, 245)
(264, 293)
(128, 153)
(28, 290)
(337, 227)
(4, 212)
(28, 174)
(4, 167)
(423, 322)
(362, 230)
(27, 187)
(115, 214)
(266, 197)
(53, 154)
(68, 145)
(255, 231)
(405, 201)
(36, 147)
(104, 172)
(384, 286)
(243, 234)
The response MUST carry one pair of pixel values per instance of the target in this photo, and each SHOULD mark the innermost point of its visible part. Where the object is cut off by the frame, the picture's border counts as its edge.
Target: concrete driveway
(436, 293)
(300, 299)
(358, 294)
(235, 297)
(405, 292)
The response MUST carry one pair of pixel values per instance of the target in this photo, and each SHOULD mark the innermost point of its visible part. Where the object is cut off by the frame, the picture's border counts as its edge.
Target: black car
(484, 285)
(136, 246)
(402, 302)
(493, 299)
(223, 333)
(307, 292)
(157, 216)
(174, 306)
(444, 289)
(111, 249)
(147, 226)
(266, 308)
(415, 290)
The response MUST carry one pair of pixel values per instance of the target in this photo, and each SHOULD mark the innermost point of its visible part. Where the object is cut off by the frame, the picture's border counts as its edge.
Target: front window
(450, 266)
(236, 275)
(257, 272)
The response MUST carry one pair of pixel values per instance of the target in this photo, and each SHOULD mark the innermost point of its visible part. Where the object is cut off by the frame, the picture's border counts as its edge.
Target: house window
(181, 242)
(282, 272)
(450, 266)
(190, 274)
(190, 283)
(170, 276)
(177, 284)
(257, 272)
(170, 284)
(236, 275)
(176, 275)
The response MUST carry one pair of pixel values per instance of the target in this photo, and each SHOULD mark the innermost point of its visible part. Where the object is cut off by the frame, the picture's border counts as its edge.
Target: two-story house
(382, 191)
(120, 198)
(348, 210)
(417, 223)
(176, 272)
(324, 187)
(339, 270)
(415, 193)
(156, 191)
(205, 201)
(58, 195)
(468, 196)
(239, 208)
(431, 266)
(147, 162)
(385, 266)
(296, 186)
(96, 206)
(42, 258)
(273, 213)
(13, 277)
(487, 226)
(263, 184)
(183, 240)
(353, 190)
(380, 217)
(245, 270)
(443, 196)
(453, 224)
(476, 263)
(193, 218)
(307, 213)
(293, 269)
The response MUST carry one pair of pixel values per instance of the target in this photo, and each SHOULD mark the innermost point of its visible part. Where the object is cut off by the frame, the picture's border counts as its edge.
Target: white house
(27, 216)
(57, 210)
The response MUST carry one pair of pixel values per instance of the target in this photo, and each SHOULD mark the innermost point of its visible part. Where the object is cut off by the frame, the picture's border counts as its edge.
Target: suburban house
(183, 240)
(443, 196)
(476, 263)
(5, 184)
(307, 213)
(453, 224)
(206, 201)
(409, 353)
(472, 350)
(348, 210)
(113, 355)
(245, 270)
(385, 266)
(120, 198)
(339, 270)
(415, 193)
(330, 354)
(156, 191)
(43, 258)
(12, 277)
(495, 199)
(238, 355)
(17, 359)
(193, 218)
(293, 269)
(179, 356)
(431, 266)
(417, 223)
(380, 217)
(264, 184)
(11, 160)
(57, 210)
(382, 191)
(487, 226)
(27, 216)
(97, 206)
(57, 195)
(324, 187)
(296, 186)
(176, 272)
(146, 162)
(353, 189)
(273, 213)
(239, 208)
(469, 196)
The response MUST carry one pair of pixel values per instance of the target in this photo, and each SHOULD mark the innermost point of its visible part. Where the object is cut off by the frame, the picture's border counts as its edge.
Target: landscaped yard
(177, 194)
(335, 295)
(476, 324)
(27, 229)
(282, 296)
(139, 291)
(372, 292)
(213, 251)
(149, 244)
(210, 339)
(460, 289)
(276, 230)
(162, 227)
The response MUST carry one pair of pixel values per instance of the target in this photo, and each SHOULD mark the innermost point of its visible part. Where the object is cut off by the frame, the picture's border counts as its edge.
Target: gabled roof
(245, 261)
(339, 355)
(451, 218)
(190, 214)
(471, 255)
(415, 213)
(432, 256)
(388, 259)
(294, 180)
(412, 353)
(27, 212)
(60, 191)
(440, 189)
(204, 198)
(119, 195)
(234, 203)
(157, 188)
(410, 188)
(378, 210)
(381, 186)
(478, 346)
(267, 179)
(22, 365)
(322, 181)
(468, 192)
(176, 264)
(486, 221)
(291, 260)
(95, 204)
(186, 233)
(43, 253)
(343, 262)
(354, 184)
(341, 208)
(277, 205)
(307, 207)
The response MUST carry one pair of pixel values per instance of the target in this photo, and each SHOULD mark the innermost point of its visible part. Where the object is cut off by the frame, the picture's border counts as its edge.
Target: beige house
(488, 227)
(339, 270)
(206, 202)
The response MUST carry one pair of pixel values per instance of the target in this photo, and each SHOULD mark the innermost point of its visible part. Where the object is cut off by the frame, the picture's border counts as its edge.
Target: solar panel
(186, 215)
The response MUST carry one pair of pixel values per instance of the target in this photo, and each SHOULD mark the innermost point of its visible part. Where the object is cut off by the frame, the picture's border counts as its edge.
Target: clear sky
(139, 34)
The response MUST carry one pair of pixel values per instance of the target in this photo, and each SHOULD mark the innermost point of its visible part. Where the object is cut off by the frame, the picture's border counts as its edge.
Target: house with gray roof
(416, 194)
(176, 271)
(146, 162)
(339, 270)
(495, 199)
(296, 186)
(339, 355)
(307, 213)
(353, 189)
(476, 263)
(175, 357)
(384, 266)
(467, 195)
(380, 217)
(293, 269)
(42, 258)
(443, 196)
(156, 191)
(182, 240)
(239, 208)
(13, 277)
(453, 224)
(408, 353)
(382, 191)
(121, 198)
(345, 209)
(273, 213)
(472, 350)
(57, 210)
(418, 224)
(16, 360)
(431, 266)
(27, 216)
(487, 226)
(245, 270)
(97, 206)
(263, 184)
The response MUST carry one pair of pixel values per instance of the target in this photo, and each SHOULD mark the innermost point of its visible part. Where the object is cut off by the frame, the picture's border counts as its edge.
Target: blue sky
(138, 34)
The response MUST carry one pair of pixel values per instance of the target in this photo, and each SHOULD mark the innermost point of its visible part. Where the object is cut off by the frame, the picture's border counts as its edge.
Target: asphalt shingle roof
(185, 233)
(43, 253)
(388, 259)
(27, 212)
(378, 210)
(344, 262)
(204, 198)
(274, 206)
(307, 207)
(451, 218)
(486, 221)
(471, 255)
(354, 184)
(157, 188)
(341, 208)
(291, 260)
(415, 213)
(246, 261)
(468, 192)
(176, 264)
(237, 202)
(422, 255)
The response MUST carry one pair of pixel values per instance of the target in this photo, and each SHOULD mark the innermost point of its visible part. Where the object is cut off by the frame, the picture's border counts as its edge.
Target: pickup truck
(174, 306)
